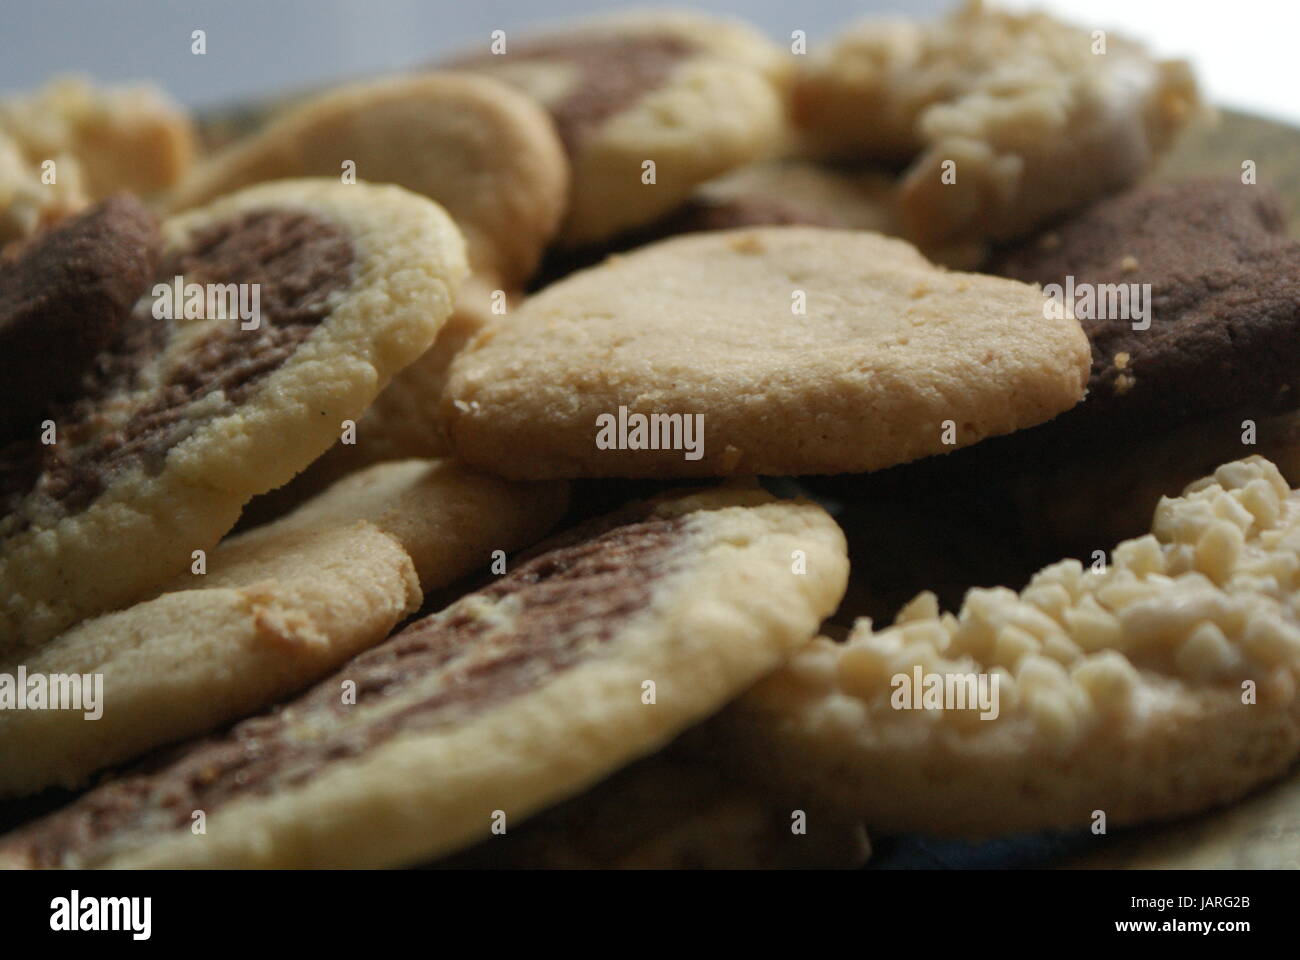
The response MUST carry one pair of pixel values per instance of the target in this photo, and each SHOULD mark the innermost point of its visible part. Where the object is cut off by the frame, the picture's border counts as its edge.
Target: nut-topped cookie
(596, 650)
(1160, 685)
(1007, 119)
(278, 313)
(649, 104)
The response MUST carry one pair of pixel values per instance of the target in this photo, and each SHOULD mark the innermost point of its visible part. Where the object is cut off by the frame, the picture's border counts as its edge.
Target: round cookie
(784, 192)
(273, 609)
(695, 94)
(1162, 685)
(596, 651)
(1008, 119)
(184, 420)
(893, 360)
(1220, 282)
(663, 813)
(486, 153)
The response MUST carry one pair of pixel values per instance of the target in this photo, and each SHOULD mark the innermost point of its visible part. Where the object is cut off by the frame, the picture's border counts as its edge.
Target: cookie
(596, 651)
(1080, 504)
(1162, 685)
(695, 95)
(273, 609)
(1220, 282)
(892, 359)
(64, 296)
(784, 192)
(1006, 119)
(182, 421)
(664, 813)
(101, 142)
(486, 153)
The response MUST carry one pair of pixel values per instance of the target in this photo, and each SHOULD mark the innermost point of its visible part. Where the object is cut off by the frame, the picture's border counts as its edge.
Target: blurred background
(1244, 50)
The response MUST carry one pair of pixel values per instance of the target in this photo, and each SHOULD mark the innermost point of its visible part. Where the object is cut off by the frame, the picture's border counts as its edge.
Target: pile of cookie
(380, 482)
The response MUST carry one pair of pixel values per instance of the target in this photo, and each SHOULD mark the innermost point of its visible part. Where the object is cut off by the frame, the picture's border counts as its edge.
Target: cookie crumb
(1121, 360)
(1124, 383)
(1128, 264)
(747, 243)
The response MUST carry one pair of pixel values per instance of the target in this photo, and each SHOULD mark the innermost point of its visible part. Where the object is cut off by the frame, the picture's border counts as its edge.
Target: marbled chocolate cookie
(295, 303)
(773, 350)
(693, 94)
(487, 153)
(595, 651)
(267, 612)
(1007, 119)
(64, 296)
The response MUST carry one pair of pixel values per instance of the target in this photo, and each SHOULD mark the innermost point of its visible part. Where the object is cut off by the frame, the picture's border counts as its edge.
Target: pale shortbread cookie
(101, 141)
(1120, 691)
(893, 357)
(276, 608)
(664, 813)
(694, 94)
(1036, 121)
(485, 152)
(597, 651)
(184, 420)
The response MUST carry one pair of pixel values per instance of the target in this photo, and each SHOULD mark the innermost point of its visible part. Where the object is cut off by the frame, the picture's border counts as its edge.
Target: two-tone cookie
(1007, 119)
(276, 314)
(1159, 685)
(265, 613)
(64, 295)
(778, 350)
(486, 153)
(596, 651)
(649, 105)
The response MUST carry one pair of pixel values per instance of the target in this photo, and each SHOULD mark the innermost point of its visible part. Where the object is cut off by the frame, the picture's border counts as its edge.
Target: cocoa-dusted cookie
(597, 650)
(694, 95)
(319, 292)
(1222, 323)
(1006, 119)
(771, 350)
(64, 295)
